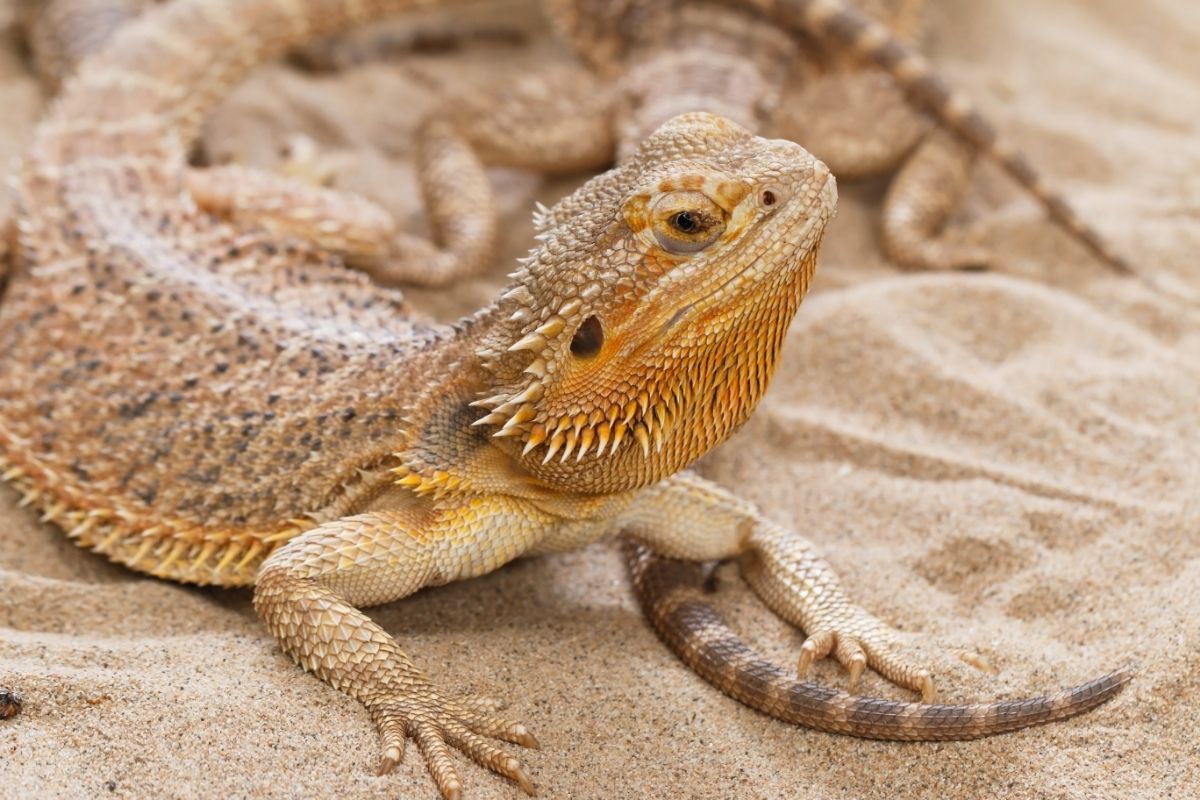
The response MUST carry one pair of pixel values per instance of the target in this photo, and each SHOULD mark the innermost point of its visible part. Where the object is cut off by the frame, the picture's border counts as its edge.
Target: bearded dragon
(847, 83)
(845, 80)
(213, 402)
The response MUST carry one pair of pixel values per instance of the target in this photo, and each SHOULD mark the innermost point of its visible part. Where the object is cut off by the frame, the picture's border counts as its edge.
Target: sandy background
(1005, 461)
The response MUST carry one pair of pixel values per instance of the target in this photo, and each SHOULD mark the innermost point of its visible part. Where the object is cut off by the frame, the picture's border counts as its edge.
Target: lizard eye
(588, 339)
(686, 222)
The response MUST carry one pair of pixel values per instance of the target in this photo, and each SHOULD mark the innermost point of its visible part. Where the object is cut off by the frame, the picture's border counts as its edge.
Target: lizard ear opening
(588, 339)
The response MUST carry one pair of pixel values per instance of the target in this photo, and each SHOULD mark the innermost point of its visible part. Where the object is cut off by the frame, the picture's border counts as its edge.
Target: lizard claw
(857, 640)
(856, 664)
(977, 660)
(815, 648)
(393, 738)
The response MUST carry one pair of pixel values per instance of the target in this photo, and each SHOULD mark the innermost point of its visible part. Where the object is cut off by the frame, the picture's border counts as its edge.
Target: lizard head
(645, 327)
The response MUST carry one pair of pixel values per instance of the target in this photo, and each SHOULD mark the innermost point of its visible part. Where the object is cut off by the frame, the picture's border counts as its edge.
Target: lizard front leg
(687, 517)
(309, 591)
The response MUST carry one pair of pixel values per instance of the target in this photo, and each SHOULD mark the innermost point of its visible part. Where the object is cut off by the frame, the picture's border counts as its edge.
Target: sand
(1005, 461)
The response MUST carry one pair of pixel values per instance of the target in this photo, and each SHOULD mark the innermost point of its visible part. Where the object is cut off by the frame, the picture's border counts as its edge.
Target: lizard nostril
(768, 198)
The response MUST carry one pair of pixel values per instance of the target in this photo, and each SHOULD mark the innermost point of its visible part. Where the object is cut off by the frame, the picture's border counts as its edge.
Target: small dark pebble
(10, 703)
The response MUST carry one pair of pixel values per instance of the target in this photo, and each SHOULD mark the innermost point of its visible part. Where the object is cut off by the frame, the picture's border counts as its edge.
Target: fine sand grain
(1006, 462)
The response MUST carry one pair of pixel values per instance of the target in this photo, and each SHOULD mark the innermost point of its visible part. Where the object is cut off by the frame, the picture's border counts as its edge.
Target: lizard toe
(487, 755)
(858, 641)
(439, 726)
(392, 738)
(816, 647)
(490, 725)
(438, 760)
(883, 656)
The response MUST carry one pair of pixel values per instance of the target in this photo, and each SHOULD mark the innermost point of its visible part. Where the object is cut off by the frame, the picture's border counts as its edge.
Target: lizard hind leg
(557, 124)
(461, 209)
(294, 202)
(860, 123)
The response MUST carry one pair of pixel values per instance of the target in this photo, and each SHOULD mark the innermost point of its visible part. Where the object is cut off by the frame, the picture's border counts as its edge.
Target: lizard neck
(442, 450)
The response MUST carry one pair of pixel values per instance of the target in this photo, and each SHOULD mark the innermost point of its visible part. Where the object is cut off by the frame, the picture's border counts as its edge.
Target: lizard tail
(835, 20)
(62, 32)
(177, 60)
(672, 598)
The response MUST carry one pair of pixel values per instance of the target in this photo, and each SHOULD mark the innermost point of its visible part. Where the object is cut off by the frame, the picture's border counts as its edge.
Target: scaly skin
(844, 84)
(670, 594)
(872, 41)
(847, 84)
(60, 33)
(218, 403)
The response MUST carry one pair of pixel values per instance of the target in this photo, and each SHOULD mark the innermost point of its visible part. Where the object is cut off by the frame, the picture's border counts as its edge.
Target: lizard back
(158, 394)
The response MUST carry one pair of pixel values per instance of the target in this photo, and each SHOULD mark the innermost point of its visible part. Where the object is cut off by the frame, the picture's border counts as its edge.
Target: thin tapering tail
(671, 596)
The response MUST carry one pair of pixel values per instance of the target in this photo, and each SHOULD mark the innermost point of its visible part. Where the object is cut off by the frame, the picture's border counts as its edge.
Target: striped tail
(671, 596)
(834, 20)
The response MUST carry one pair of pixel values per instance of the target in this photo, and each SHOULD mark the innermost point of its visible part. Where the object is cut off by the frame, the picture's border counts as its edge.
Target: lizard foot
(803, 589)
(437, 724)
(858, 640)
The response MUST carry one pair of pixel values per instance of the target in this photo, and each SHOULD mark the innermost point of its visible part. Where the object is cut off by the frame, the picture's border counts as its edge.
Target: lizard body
(218, 403)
